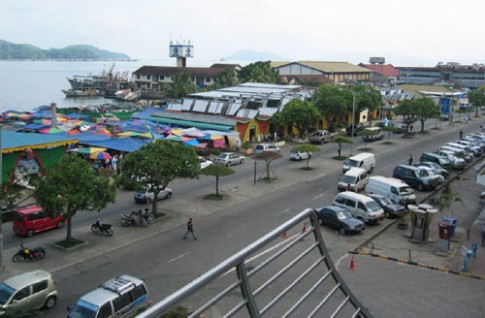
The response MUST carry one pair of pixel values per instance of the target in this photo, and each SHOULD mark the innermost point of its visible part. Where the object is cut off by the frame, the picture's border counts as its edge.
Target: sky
(405, 33)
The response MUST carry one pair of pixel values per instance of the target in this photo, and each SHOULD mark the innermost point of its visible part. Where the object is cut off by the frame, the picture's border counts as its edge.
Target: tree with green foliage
(268, 157)
(407, 109)
(72, 185)
(227, 78)
(447, 198)
(332, 100)
(420, 109)
(307, 148)
(366, 97)
(8, 195)
(181, 86)
(389, 129)
(217, 170)
(477, 99)
(339, 140)
(300, 114)
(259, 72)
(156, 164)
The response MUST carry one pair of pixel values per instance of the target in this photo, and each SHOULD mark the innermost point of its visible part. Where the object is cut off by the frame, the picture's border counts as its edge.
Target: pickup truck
(321, 136)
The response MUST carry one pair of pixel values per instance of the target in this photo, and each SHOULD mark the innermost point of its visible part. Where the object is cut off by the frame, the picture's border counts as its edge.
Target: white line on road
(318, 196)
(178, 257)
(262, 253)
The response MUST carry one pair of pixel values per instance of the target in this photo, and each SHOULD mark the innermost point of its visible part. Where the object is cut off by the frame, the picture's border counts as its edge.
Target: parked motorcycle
(102, 228)
(36, 253)
(137, 218)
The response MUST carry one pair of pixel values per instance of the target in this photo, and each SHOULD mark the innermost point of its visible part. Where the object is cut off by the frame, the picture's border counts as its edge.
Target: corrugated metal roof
(334, 67)
(196, 117)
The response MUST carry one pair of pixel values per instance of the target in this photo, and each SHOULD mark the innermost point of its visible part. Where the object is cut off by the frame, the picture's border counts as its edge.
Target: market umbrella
(89, 150)
(100, 155)
(50, 130)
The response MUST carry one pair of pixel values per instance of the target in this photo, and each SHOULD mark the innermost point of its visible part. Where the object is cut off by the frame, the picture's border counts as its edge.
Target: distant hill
(247, 55)
(12, 51)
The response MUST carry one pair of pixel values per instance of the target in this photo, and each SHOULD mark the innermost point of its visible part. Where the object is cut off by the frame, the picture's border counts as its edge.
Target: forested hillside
(12, 51)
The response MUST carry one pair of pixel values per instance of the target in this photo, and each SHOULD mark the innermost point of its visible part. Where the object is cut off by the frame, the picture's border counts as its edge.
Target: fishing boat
(83, 92)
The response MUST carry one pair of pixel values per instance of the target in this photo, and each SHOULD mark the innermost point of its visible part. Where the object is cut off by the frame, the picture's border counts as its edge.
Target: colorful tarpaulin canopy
(100, 155)
(50, 130)
(88, 150)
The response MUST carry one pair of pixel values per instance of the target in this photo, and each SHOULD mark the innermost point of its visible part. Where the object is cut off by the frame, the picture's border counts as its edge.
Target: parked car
(299, 155)
(229, 158)
(33, 219)
(384, 123)
(390, 208)
(400, 128)
(340, 219)
(358, 128)
(28, 291)
(372, 134)
(321, 136)
(420, 178)
(204, 163)
(266, 147)
(456, 163)
(146, 196)
(435, 167)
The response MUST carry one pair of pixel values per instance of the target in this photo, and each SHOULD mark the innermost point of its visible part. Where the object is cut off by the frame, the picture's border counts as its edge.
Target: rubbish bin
(444, 231)
(451, 221)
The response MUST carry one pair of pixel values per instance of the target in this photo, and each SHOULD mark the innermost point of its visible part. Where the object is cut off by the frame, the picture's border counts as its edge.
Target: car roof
(21, 280)
(331, 207)
(29, 209)
(355, 171)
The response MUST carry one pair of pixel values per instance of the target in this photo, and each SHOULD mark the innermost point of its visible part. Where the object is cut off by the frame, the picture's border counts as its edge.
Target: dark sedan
(338, 218)
(390, 208)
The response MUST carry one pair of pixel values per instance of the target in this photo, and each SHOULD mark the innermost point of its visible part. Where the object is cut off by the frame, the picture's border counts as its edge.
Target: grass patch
(267, 180)
(388, 143)
(306, 168)
(73, 242)
(214, 196)
(339, 158)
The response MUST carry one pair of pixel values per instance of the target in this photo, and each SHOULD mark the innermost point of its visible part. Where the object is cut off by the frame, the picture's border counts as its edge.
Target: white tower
(181, 50)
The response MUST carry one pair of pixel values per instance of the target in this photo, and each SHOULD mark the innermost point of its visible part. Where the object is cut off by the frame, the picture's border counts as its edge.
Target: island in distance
(13, 51)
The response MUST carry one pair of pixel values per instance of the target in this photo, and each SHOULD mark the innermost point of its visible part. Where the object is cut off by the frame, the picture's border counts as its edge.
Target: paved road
(217, 223)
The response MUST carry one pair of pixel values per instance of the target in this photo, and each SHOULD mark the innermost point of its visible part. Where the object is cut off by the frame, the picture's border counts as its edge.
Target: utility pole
(353, 124)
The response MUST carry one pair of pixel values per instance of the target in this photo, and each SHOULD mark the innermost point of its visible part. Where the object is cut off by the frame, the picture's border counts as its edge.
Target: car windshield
(406, 190)
(424, 173)
(222, 156)
(347, 179)
(83, 309)
(5, 293)
(343, 215)
(352, 163)
(386, 201)
(373, 206)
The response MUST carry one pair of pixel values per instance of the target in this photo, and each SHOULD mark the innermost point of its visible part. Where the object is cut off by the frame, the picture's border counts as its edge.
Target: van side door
(362, 211)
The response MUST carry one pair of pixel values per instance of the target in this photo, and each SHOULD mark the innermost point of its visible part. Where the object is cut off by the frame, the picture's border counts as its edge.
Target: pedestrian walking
(190, 229)
(339, 149)
(238, 145)
(410, 160)
(114, 164)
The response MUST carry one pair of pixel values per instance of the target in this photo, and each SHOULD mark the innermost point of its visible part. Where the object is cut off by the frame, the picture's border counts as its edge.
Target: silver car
(146, 196)
(229, 158)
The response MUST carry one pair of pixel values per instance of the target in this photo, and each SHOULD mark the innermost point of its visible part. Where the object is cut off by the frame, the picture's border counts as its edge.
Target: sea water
(25, 85)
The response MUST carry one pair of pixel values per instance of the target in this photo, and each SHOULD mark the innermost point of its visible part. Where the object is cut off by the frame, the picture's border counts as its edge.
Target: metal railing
(292, 276)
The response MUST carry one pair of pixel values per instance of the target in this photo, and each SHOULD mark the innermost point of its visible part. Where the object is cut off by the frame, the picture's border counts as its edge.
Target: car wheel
(60, 225)
(420, 187)
(30, 233)
(387, 214)
(169, 195)
(321, 221)
(341, 230)
(242, 161)
(149, 200)
(228, 164)
(50, 302)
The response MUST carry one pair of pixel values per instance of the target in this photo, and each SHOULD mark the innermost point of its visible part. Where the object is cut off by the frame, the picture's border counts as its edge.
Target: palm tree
(447, 197)
(181, 86)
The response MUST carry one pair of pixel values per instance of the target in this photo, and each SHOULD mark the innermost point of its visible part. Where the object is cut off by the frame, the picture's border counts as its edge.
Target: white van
(365, 160)
(354, 179)
(359, 206)
(394, 189)
(122, 296)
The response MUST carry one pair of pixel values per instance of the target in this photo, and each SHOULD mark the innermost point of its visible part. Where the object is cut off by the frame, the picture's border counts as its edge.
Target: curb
(422, 265)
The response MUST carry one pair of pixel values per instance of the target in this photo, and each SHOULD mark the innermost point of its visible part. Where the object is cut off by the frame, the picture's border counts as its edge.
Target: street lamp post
(353, 124)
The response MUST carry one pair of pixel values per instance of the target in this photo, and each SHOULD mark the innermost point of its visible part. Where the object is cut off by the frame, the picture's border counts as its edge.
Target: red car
(29, 220)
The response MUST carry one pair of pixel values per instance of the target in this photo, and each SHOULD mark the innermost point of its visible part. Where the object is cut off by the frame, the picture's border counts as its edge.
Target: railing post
(246, 291)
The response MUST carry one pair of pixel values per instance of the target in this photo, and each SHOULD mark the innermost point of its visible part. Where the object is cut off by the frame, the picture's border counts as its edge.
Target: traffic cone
(285, 234)
(352, 264)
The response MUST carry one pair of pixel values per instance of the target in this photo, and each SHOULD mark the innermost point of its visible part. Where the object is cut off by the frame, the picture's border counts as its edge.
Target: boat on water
(107, 83)
(83, 92)
(127, 94)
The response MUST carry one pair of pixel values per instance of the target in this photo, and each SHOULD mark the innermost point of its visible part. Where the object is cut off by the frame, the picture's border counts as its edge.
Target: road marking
(262, 253)
(283, 212)
(178, 257)
(318, 196)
